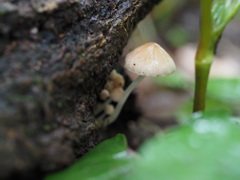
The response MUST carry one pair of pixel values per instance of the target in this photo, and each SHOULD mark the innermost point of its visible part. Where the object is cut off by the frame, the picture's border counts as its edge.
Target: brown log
(55, 56)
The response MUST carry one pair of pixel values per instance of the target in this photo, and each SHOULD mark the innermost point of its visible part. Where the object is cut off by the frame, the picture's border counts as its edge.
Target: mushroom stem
(101, 117)
(120, 104)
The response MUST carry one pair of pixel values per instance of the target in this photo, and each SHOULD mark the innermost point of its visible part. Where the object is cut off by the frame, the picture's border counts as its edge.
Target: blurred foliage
(222, 12)
(176, 80)
(169, 30)
(225, 90)
(165, 11)
(222, 93)
(206, 148)
(108, 160)
(177, 36)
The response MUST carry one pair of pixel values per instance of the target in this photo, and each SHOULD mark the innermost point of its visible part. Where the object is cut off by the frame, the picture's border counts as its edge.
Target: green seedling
(215, 15)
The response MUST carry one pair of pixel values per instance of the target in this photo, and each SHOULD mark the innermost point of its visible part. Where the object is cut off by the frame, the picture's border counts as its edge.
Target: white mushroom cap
(150, 59)
(104, 94)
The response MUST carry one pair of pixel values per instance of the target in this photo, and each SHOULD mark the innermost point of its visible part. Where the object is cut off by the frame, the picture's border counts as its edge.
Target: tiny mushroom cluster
(115, 85)
(150, 60)
(112, 92)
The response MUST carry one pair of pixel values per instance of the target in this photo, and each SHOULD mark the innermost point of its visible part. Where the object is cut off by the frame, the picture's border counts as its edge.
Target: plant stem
(204, 56)
(120, 104)
(201, 78)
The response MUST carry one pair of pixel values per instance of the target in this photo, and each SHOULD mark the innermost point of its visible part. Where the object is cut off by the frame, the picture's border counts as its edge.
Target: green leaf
(225, 90)
(222, 12)
(207, 148)
(108, 160)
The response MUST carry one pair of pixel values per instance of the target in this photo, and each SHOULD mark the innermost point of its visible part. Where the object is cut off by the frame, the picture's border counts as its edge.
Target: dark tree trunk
(55, 58)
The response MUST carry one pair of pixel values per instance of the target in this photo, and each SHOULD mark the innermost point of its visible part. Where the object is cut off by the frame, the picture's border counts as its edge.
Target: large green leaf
(222, 12)
(225, 90)
(108, 160)
(207, 148)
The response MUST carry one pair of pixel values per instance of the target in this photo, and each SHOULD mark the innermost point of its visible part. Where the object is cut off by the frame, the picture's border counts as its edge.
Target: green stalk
(204, 56)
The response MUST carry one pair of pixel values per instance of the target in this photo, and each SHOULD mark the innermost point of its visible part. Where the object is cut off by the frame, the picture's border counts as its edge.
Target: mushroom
(104, 95)
(113, 89)
(115, 80)
(150, 59)
(109, 109)
(116, 94)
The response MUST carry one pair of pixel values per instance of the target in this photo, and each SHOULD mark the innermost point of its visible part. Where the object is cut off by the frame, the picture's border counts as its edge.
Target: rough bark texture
(55, 58)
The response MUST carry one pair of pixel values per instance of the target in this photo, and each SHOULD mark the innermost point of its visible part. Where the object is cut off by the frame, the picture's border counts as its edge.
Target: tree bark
(55, 58)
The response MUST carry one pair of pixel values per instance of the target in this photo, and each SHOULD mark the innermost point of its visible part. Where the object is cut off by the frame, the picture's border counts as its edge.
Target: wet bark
(55, 56)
